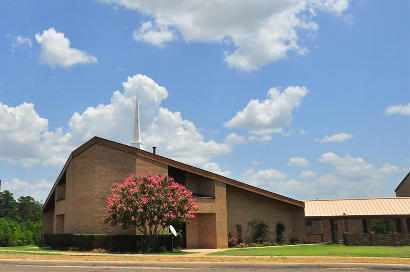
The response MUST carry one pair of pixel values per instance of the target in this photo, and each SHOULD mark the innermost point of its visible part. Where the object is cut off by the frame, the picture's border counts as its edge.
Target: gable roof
(169, 162)
(358, 207)
(405, 178)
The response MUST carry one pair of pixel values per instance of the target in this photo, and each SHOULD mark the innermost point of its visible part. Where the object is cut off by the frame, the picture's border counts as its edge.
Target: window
(408, 224)
(398, 225)
(309, 228)
(239, 233)
(59, 223)
(364, 225)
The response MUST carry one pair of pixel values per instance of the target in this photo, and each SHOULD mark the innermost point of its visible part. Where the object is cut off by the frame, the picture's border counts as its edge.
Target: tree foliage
(151, 203)
(25, 208)
(8, 205)
(20, 220)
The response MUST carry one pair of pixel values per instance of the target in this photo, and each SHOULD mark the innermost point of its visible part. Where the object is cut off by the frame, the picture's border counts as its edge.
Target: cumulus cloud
(398, 109)
(355, 166)
(298, 161)
(345, 176)
(307, 174)
(235, 139)
(174, 136)
(274, 181)
(26, 139)
(260, 32)
(335, 138)
(56, 50)
(20, 41)
(156, 35)
(37, 190)
(215, 168)
(267, 117)
(263, 178)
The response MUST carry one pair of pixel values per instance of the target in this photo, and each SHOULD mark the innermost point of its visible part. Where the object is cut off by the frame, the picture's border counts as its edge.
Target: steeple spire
(137, 140)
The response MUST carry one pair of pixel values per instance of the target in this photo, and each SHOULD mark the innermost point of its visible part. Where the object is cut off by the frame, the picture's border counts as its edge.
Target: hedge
(124, 243)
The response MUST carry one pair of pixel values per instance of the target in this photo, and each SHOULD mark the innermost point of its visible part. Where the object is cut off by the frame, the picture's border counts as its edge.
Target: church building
(78, 200)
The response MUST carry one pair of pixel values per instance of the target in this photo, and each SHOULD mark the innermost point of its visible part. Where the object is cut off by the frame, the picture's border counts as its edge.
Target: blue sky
(334, 125)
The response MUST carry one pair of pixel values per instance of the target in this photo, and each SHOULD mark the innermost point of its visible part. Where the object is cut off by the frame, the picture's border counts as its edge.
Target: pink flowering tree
(151, 203)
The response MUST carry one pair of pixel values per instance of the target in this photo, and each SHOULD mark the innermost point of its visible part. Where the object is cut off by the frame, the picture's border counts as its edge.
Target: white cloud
(270, 114)
(214, 167)
(335, 138)
(355, 167)
(156, 35)
(26, 139)
(20, 41)
(260, 32)
(263, 178)
(173, 135)
(274, 181)
(263, 135)
(56, 50)
(235, 139)
(302, 131)
(399, 109)
(38, 190)
(298, 161)
(351, 177)
(307, 174)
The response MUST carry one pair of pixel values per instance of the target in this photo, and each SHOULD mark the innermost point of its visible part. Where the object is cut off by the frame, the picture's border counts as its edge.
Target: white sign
(171, 228)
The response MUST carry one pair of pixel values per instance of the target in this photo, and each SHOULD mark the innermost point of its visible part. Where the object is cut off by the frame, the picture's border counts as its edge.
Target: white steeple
(137, 140)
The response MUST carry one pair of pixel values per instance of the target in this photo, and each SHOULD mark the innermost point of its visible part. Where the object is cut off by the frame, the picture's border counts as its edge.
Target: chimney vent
(154, 150)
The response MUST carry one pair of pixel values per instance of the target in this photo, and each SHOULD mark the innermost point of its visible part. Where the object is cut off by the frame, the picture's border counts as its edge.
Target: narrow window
(309, 228)
(398, 225)
(239, 233)
(364, 225)
(408, 224)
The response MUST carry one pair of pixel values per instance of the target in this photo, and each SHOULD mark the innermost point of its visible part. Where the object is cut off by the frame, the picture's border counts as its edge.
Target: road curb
(210, 265)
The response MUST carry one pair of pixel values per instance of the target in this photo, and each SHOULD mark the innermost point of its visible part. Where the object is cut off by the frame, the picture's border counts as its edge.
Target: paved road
(65, 266)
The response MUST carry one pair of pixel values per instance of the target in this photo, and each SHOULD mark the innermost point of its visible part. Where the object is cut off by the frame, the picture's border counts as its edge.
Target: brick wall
(375, 239)
(404, 188)
(244, 206)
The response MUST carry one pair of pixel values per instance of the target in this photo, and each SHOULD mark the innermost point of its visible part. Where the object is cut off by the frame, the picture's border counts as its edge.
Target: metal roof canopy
(395, 206)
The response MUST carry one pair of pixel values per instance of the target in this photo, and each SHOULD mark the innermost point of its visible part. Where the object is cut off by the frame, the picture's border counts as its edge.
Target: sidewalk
(200, 257)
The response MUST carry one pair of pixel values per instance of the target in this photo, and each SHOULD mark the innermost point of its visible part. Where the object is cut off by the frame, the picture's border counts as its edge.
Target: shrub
(13, 233)
(281, 233)
(382, 226)
(295, 241)
(261, 231)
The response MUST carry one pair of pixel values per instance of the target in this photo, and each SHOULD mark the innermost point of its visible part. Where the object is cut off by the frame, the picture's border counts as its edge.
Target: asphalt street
(65, 266)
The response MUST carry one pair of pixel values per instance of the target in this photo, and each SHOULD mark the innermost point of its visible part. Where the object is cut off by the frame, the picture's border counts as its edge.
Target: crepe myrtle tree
(151, 203)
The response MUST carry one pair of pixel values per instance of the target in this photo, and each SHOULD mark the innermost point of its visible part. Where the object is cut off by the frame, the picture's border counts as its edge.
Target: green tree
(28, 209)
(8, 205)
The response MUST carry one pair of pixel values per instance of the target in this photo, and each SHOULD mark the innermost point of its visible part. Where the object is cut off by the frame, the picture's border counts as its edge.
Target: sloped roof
(404, 179)
(169, 162)
(358, 207)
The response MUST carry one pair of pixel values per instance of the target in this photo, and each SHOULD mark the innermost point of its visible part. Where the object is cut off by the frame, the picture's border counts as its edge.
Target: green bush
(13, 233)
(261, 231)
(295, 241)
(281, 233)
(382, 226)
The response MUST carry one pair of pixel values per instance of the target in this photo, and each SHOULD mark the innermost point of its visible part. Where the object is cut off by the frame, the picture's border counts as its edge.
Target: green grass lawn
(320, 250)
(25, 250)
(21, 248)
